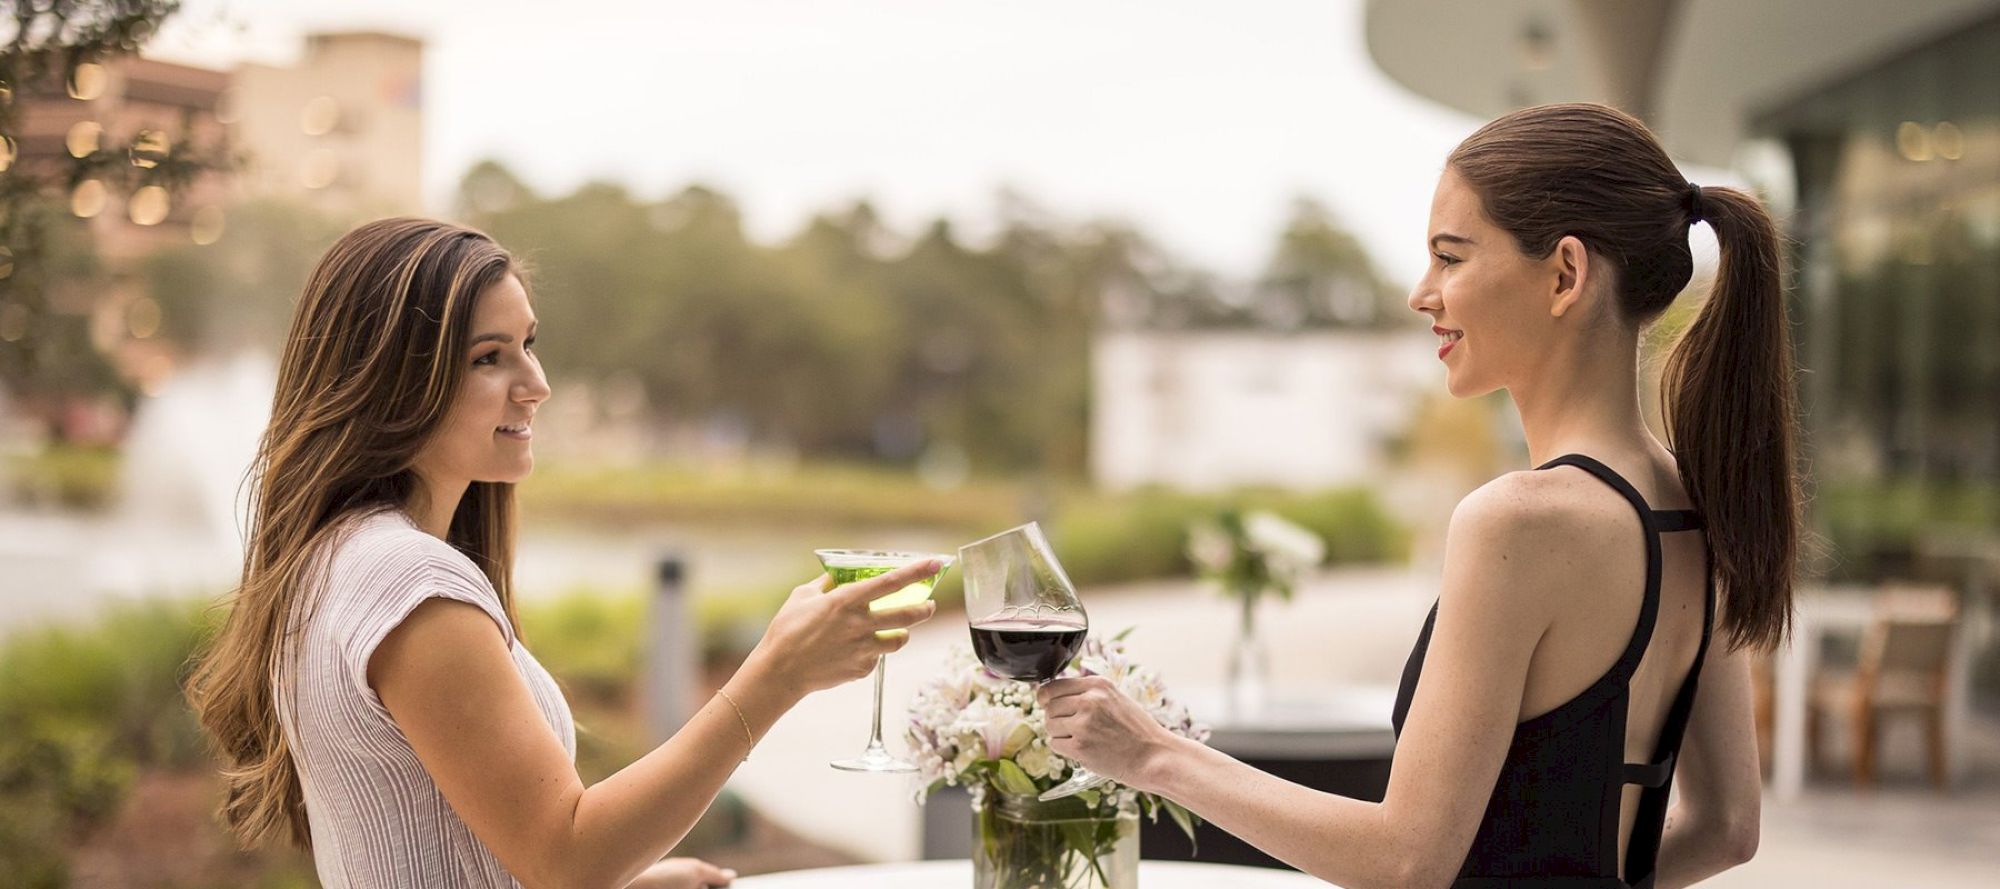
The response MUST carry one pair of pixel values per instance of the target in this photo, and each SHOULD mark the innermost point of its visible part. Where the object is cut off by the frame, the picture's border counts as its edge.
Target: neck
(434, 504)
(1585, 402)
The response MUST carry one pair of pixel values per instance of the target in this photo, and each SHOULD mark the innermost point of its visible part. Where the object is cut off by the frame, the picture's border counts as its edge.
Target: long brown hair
(369, 370)
(1597, 173)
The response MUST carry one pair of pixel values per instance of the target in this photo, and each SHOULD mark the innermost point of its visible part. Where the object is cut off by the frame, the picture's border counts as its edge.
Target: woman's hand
(822, 638)
(682, 873)
(1093, 723)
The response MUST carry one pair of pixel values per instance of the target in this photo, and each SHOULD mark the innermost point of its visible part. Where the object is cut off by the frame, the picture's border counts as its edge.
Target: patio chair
(1901, 672)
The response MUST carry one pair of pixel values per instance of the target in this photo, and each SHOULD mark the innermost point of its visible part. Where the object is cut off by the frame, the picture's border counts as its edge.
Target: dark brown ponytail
(1728, 393)
(1597, 173)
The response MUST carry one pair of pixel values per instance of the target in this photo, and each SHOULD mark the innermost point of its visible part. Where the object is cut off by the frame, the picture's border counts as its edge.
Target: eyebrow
(502, 337)
(1449, 239)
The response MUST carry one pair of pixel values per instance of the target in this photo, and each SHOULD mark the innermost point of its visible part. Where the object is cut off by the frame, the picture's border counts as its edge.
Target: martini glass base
(874, 760)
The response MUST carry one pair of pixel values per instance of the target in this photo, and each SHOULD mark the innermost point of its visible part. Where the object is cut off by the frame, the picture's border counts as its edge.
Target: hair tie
(1693, 203)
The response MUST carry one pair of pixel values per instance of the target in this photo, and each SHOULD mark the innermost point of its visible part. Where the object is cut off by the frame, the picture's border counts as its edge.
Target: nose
(534, 388)
(1424, 297)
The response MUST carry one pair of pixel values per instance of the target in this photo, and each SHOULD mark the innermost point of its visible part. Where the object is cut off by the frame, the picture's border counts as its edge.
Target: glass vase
(1248, 676)
(1087, 841)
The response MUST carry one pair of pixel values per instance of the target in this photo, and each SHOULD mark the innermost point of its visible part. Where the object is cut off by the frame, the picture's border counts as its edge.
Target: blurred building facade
(338, 133)
(113, 104)
(342, 130)
(1206, 410)
(1873, 129)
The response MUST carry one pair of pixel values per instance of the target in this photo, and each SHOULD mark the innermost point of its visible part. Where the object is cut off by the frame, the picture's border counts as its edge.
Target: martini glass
(850, 565)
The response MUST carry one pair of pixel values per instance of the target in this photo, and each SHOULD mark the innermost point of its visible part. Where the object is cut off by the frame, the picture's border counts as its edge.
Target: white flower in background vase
(1247, 555)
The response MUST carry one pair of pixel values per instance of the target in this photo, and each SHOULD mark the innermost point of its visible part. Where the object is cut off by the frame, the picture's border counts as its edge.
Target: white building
(1205, 410)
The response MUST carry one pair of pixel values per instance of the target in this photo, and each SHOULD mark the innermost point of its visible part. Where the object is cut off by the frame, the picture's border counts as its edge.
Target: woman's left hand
(682, 873)
(1093, 723)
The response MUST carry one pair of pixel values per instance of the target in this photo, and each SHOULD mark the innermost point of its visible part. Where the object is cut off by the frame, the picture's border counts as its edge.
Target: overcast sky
(1198, 121)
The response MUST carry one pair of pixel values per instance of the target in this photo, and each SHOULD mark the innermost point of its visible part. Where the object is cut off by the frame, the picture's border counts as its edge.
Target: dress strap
(1649, 607)
(1643, 853)
(1677, 520)
(1650, 774)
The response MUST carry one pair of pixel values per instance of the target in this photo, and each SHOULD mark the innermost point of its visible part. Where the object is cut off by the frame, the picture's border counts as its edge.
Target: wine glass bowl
(1024, 615)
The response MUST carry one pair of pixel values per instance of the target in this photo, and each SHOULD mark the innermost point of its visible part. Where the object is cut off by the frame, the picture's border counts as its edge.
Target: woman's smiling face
(1488, 302)
(485, 435)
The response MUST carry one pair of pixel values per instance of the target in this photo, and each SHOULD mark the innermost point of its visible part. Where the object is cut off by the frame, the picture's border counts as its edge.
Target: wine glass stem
(1080, 778)
(875, 726)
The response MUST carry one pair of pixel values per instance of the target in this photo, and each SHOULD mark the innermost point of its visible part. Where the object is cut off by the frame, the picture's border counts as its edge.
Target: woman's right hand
(821, 638)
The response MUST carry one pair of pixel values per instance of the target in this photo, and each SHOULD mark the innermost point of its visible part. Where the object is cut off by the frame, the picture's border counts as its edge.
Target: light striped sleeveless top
(377, 819)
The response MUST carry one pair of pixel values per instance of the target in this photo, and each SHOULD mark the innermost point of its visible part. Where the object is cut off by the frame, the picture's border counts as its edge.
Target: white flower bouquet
(971, 728)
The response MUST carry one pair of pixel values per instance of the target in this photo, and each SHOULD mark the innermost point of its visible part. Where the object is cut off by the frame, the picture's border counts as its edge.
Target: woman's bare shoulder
(1532, 533)
(1562, 501)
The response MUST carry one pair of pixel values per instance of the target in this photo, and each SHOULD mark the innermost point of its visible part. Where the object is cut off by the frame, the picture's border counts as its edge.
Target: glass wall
(1897, 266)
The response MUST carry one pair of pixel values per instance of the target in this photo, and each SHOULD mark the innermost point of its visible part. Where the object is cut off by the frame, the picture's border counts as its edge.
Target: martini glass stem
(875, 728)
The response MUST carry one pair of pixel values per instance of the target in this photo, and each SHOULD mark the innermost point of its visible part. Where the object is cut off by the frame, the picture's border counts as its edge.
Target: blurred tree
(1320, 275)
(52, 48)
(240, 290)
(846, 340)
(46, 354)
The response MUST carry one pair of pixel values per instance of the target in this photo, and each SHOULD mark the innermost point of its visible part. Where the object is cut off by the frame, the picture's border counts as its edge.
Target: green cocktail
(848, 566)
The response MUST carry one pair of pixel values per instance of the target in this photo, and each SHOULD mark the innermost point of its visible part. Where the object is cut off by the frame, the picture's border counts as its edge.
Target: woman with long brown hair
(1551, 699)
(369, 694)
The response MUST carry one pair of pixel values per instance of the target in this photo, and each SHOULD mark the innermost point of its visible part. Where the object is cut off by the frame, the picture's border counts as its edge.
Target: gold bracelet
(739, 718)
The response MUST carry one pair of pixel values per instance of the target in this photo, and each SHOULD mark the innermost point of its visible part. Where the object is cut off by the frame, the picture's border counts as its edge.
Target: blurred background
(887, 273)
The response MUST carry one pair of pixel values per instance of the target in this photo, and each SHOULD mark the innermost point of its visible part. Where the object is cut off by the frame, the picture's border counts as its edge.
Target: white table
(956, 874)
(1822, 612)
(1334, 721)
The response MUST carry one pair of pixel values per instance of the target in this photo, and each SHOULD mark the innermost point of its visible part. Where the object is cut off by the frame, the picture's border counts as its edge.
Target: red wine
(1030, 650)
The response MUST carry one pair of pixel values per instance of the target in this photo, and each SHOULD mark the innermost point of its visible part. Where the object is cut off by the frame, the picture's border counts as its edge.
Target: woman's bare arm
(1713, 824)
(448, 680)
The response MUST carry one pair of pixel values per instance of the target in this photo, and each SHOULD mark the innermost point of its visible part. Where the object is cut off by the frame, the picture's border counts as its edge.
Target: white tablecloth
(1312, 722)
(956, 874)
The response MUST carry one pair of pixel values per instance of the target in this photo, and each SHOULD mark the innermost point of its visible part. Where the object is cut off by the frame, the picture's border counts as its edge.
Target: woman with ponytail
(370, 695)
(1551, 702)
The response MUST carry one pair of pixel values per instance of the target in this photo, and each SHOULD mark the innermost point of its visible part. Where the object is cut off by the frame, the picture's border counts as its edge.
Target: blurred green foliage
(1872, 526)
(816, 493)
(591, 636)
(85, 708)
(239, 291)
(69, 476)
(1108, 539)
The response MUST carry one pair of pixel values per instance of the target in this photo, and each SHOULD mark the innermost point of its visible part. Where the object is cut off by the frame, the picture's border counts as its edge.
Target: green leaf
(1123, 633)
(1182, 817)
(1011, 779)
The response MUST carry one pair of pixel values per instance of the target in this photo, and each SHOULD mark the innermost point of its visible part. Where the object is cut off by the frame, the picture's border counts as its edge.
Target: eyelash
(1447, 260)
(527, 346)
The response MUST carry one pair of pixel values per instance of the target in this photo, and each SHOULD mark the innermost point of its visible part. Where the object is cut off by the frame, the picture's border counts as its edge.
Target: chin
(512, 475)
(1467, 388)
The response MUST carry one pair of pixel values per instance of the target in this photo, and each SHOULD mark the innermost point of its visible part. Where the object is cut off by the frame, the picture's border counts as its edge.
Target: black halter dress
(1553, 818)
